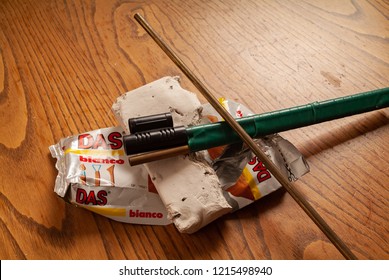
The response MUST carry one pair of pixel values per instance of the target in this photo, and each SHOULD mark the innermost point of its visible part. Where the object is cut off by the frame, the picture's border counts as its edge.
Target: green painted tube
(217, 134)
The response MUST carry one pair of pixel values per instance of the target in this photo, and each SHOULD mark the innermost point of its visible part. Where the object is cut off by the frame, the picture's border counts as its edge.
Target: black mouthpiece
(152, 122)
(155, 140)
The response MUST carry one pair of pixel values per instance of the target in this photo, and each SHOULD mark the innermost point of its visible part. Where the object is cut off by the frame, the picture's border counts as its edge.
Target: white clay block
(161, 96)
(188, 186)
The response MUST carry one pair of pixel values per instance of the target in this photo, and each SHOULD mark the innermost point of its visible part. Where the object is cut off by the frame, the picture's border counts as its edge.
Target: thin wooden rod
(296, 195)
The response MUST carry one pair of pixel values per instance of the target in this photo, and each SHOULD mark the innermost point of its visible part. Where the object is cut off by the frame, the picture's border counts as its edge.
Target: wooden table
(63, 64)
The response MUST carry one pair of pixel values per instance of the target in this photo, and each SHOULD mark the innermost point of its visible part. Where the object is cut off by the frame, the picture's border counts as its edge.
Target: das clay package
(188, 190)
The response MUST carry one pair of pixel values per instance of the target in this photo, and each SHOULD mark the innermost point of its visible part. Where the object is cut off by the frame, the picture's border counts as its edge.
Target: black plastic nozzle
(155, 140)
(152, 122)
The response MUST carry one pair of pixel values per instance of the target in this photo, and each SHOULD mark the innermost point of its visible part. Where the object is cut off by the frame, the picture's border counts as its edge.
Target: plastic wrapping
(242, 175)
(94, 173)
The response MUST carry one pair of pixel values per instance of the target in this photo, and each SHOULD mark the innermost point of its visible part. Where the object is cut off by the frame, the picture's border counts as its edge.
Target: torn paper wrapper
(94, 173)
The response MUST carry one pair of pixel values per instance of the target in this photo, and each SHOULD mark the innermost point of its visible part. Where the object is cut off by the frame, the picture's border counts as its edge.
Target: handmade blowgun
(155, 137)
(381, 101)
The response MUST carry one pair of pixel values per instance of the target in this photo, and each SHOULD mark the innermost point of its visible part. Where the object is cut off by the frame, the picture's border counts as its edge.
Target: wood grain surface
(63, 64)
